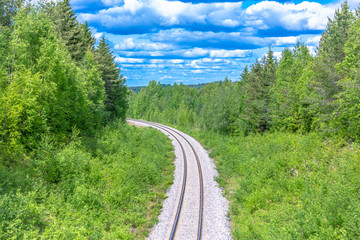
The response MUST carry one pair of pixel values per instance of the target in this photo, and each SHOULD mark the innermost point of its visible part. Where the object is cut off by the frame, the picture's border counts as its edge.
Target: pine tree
(116, 91)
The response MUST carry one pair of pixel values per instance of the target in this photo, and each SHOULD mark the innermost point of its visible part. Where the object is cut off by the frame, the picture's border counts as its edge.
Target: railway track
(190, 200)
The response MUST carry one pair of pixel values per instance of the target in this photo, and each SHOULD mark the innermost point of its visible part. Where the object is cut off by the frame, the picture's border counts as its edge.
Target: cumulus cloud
(197, 71)
(98, 35)
(176, 61)
(146, 16)
(229, 53)
(129, 60)
(131, 44)
(151, 15)
(184, 38)
(302, 16)
(221, 40)
(313, 40)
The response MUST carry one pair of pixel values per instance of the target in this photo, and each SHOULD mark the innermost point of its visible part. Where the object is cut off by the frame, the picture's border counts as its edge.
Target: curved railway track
(177, 218)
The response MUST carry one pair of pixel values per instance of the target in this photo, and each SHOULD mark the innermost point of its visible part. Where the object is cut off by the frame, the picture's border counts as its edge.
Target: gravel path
(215, 222)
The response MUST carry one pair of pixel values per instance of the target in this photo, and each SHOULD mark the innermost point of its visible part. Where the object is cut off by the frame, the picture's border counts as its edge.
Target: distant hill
(198, 86)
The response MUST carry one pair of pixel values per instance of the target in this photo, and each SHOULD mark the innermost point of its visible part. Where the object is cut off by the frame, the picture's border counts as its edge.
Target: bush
(289, 186)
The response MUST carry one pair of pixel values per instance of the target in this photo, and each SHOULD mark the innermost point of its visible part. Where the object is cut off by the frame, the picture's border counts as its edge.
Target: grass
(108, 187)
(288, 186)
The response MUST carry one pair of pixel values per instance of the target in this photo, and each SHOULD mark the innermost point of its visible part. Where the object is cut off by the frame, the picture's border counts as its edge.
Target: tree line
(298, 93)
(53, 79)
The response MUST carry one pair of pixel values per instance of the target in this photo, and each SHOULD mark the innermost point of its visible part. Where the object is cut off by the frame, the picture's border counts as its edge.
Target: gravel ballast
(215, 222)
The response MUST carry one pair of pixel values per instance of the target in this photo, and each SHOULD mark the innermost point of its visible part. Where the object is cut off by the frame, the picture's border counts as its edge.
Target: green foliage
(116, 91)
(288, 186)
(287, 104)
(75, 36)
(109, 187)
(215, 106)
(24, 105)
(323, 78)
(44, 87)
(300, 93)
(8, 11)
(346, 117)
(221, 106)
(257, 84)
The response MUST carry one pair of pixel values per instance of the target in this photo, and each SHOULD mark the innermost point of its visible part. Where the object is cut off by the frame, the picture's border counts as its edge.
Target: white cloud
(197, 71)
(313, 40)
(196, 52)
(176, 61)
(312, 50)
(302, 16)
(131, 44)
(98, 35)
(129, 60)
(229, 53)
(278, 41)
(231, 23)
(133, 5)
(277, 55)
(157, 61)
(126, 44)
(146, 15)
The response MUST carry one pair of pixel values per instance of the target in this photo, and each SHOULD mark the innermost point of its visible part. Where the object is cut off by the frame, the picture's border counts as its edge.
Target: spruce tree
(69, 30)
(346, 118)
(88, 41)
(324, 78)
(115, 88)
(286, 103)
(257, 85)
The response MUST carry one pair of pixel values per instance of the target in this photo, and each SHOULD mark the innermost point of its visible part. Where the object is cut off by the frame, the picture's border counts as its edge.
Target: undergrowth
(108, 187)
(288, 186)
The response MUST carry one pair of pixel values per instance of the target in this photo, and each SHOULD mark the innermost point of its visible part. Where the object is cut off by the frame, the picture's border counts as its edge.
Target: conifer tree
(88, 41)
(285, 94)
(116, 91)
(324, 78)
(257, 85)
(346, 119)
(69, 29)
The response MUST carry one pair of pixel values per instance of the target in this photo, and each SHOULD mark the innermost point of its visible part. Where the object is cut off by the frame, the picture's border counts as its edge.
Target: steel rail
(176, 220)
(200, 179)
(199, 169)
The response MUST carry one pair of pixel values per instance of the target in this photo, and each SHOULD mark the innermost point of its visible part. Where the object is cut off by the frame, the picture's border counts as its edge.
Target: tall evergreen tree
(88, 41)
(116, 91)
(346, 119)
(74, 35)
(257, 85)
(286, 105)
(323, 77)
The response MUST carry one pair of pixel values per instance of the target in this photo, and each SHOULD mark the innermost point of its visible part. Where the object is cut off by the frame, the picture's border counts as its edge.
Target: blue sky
(201, 41)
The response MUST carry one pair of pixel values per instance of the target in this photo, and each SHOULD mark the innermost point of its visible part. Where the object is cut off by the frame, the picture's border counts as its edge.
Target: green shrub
(109, 187)
(289, 186)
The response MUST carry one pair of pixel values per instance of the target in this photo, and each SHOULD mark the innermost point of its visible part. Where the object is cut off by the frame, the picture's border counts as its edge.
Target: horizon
(201, 41)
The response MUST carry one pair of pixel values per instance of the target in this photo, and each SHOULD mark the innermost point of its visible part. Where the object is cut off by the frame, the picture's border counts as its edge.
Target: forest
(69, 165)
(285, 136)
